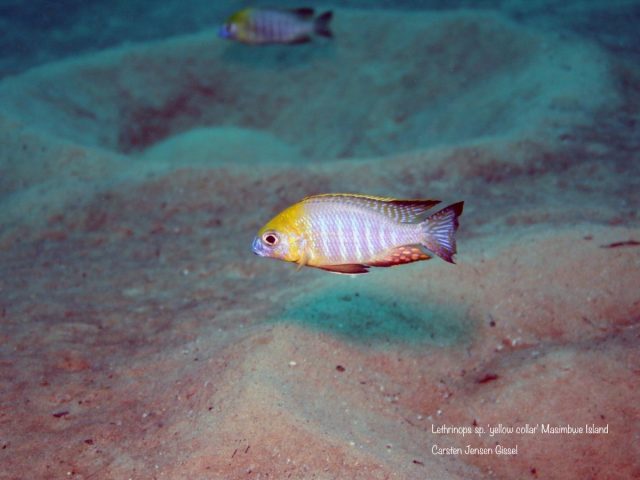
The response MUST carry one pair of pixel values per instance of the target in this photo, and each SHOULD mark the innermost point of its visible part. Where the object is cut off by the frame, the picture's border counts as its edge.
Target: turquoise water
(140, 154)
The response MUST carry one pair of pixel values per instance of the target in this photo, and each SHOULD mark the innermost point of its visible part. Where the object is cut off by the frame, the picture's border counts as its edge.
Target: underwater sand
(140, 338)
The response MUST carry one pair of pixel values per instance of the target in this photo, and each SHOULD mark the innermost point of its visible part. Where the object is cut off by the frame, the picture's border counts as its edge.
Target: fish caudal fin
(439, 231)
(321, 25)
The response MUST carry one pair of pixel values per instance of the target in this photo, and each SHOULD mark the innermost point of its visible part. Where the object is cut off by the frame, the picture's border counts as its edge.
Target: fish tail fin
(439, 231)
(321, 24)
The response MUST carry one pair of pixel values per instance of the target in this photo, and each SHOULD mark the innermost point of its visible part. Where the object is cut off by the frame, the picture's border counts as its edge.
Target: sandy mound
(207, 146)
(440, 78)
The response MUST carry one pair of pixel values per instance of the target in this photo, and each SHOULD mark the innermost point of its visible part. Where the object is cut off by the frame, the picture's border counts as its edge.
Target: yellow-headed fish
(260, 26)
(348, 233)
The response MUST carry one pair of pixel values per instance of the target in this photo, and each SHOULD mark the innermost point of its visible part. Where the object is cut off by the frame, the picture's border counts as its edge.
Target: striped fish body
(349, 233)
(353, 230)
(257, 26)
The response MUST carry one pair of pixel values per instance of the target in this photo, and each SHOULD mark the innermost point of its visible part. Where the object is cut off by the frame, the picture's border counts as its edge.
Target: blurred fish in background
(262, 26)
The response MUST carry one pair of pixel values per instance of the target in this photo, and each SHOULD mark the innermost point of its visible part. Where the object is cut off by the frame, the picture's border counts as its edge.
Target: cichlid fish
(348, 233)
(260, 26)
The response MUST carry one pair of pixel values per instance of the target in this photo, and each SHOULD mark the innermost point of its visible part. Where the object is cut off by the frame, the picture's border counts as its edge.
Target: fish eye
(270, 238)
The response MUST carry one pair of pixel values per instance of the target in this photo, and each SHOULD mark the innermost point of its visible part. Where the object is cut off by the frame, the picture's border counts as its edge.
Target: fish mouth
(224, 32)
(256, 246)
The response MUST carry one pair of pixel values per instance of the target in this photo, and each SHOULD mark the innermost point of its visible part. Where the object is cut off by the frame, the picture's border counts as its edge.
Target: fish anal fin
(346, 268)
(303, 13)
(400, 255)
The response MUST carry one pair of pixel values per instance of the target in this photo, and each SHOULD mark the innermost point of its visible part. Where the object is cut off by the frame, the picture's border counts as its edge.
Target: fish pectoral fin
(400, 255)
(301, 262)
(304, 257)
(346, 268)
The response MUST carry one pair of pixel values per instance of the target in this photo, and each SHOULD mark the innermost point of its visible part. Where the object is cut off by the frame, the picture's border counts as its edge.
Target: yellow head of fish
(283, 236)
(235, 28)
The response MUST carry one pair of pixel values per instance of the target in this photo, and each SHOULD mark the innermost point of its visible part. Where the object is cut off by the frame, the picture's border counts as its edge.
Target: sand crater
(387, 83)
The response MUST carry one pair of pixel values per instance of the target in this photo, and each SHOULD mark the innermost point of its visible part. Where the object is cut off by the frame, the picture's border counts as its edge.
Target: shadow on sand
(278, 57)
(377, 317)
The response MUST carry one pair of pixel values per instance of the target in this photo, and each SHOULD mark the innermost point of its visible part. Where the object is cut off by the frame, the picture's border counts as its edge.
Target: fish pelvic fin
(346, 268)
(321, 25)
(439, 231)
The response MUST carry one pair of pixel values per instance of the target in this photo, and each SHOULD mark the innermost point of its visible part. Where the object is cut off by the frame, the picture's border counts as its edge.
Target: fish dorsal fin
(400, 255)
(240, 16)
(403, 211)
(410, 211)
(346, 268)
(354, 196)
(303, 13)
